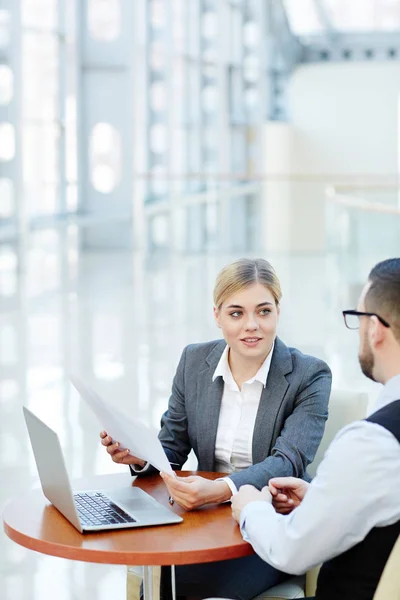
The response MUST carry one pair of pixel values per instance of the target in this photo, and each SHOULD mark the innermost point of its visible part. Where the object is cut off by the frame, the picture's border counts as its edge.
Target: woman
(247, 405)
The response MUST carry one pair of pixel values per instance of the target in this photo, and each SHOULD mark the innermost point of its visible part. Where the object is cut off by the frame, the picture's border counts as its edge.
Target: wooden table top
(205, 535)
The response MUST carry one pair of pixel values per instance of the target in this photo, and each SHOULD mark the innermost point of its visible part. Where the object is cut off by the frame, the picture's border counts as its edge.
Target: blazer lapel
(271, 399)
(209, 396)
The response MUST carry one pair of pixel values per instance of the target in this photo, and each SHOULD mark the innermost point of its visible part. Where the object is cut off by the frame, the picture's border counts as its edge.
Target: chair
(389, 583)
(134, 580)
(344, 408)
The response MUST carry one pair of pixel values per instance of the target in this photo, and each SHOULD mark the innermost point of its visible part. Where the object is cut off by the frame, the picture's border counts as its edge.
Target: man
(349, 516)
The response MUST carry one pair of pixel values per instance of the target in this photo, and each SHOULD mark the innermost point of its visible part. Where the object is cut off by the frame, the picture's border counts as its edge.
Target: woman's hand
(123, 457)
(194, 491)
(287, 493)
(247, 494)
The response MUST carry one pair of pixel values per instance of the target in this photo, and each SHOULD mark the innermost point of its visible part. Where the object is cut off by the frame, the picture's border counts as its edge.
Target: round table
(207, 534)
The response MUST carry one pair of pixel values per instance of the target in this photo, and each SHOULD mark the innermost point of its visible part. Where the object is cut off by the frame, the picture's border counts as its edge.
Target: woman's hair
(244, 272)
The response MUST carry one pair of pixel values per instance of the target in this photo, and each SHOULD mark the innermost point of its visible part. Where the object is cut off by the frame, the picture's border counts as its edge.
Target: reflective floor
(121, 321)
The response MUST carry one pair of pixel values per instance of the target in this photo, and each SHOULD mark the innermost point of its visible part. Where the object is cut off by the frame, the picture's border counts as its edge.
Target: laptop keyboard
(96, 509)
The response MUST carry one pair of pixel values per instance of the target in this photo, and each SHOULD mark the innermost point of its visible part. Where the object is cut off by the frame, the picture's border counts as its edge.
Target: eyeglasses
(352, 318)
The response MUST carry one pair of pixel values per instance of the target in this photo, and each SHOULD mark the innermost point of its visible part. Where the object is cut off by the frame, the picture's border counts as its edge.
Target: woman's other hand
(287, 493)
(122, 457)
(195, 491)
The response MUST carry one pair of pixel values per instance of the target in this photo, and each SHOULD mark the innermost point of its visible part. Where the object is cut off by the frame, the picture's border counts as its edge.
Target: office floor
(121, 321)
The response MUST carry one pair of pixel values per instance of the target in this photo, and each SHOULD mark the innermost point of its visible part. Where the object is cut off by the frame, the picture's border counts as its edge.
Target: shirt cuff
(231, 485)
(137, 469)
(258, 506)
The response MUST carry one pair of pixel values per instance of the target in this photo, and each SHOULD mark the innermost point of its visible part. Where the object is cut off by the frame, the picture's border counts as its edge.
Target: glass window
(236, 94)
(107, 344)
(357, 15)
(72, 197)
(193, 28)
(251, 68)
(105, 157)
(6, 198)
(238, 148)
(209, 25)
(159, 181)
(178, 159)
(194, 150)
(158, 139)
(158, 96)
(43, 263)
(251, 34)
(5, 28)
(303, 16)
(40, 167)
(236, 44)
(157, 56)
(6, 85)
(159, 230)
(157, 14)
(209, 98)
(179, 8)
(251, 100)
(364, 14)
(40, 76)
(39, 13)
(210, 149)
(8, 270)
(193, 99)
(71, 139)
(8, 345)
(7, 142)
(104, 19)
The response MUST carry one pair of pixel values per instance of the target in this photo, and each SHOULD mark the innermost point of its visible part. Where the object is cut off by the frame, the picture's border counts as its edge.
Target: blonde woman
(247, 405)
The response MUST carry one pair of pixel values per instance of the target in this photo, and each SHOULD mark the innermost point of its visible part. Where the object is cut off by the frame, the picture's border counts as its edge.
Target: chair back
(344, 408)
(389, 583)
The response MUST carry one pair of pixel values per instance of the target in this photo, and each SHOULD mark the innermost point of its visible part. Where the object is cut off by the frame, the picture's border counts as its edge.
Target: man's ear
(216, 317)
(376, 332)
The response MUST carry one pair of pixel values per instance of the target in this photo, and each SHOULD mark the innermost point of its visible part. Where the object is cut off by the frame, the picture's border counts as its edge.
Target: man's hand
(287, 493)
(194, 491)
(247, 494)
(123, 457)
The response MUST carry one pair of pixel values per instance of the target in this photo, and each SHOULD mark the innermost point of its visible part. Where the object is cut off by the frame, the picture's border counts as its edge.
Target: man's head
(379, 351)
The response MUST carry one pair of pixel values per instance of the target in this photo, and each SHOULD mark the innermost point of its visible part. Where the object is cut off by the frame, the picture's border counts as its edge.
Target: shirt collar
(223, 369)
(389, 393)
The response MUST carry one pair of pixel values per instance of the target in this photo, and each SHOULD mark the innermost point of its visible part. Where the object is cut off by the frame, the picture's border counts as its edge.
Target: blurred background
(144, 144)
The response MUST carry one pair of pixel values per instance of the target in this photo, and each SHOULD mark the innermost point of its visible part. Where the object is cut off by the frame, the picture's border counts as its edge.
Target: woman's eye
(237, 313)
(265, 311)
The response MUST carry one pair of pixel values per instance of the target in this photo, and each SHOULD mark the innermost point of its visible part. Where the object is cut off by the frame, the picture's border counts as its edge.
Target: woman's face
(249, 320)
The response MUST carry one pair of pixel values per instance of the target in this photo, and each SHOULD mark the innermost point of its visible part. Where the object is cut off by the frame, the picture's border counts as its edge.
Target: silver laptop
(89, 510)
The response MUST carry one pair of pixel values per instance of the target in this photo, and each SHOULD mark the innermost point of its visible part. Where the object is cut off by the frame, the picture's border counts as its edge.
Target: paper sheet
(130, 433)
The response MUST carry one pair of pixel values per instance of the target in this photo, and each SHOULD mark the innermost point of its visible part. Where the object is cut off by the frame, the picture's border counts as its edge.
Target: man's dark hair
(383, 296)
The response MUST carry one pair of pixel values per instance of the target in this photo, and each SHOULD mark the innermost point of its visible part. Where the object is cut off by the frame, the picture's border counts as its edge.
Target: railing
(363, 221)
(226, 212)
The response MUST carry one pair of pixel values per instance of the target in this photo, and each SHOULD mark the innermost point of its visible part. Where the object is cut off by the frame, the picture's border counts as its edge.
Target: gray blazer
(289, 424)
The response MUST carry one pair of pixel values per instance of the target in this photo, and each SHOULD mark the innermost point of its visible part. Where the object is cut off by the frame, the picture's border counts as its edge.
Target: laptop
(89, 510)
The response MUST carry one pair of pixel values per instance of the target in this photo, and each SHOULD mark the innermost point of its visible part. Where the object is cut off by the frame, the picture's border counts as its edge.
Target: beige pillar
(293, 208)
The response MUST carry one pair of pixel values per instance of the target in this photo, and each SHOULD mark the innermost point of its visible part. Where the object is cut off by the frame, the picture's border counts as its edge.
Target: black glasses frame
(358, 313)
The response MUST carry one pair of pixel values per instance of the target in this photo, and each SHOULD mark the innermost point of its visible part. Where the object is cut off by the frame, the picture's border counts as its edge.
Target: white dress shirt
(356, 488)
(233, 445)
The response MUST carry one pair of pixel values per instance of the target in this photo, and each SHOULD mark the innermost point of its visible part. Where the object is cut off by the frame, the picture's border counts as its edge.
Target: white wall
(345, 116)
(344, 125)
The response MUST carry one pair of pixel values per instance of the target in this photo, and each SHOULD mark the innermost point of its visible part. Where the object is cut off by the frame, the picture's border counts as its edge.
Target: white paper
(130, 433)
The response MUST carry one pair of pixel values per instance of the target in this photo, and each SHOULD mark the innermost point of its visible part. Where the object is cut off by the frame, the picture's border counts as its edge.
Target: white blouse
(233, 446)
